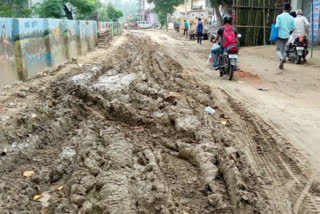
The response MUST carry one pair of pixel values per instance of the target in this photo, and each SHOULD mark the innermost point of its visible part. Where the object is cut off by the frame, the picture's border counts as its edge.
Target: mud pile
(104, 38)
(130, 136)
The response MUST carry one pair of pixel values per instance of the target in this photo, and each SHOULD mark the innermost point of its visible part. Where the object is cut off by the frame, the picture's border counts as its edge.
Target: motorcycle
(228, 61)
(298, 50)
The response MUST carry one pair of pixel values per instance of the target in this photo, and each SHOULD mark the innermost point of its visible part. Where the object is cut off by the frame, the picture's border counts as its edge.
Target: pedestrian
(199, 30)
(293, 14)
(186, 28)
(285, 24)
(301, 30)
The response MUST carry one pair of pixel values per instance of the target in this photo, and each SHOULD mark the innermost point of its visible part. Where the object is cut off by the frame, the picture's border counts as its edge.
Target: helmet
(299, 12)
(227, 19)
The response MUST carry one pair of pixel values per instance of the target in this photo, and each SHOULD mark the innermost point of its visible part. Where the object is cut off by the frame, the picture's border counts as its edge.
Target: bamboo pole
(264, 22)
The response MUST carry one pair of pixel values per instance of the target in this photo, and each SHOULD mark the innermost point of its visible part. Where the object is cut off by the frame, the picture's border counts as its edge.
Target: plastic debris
(240, 82)
(21, 94)
(51, 103)
(12, 105)
(28, 173)
(264, 89)
(224, 122)
(210, 110)
(60, 188)
(33, 115)
(37, 197)
(4, 152)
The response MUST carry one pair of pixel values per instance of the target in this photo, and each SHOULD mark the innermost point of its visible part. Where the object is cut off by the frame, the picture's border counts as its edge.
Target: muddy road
(124, 130)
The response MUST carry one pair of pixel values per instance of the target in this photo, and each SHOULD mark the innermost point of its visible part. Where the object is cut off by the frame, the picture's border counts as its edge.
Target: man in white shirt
(302, 28)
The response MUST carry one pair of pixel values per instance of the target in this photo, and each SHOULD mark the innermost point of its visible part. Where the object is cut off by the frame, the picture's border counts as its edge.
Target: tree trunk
(227, 7)
(68, 12)
(167, 23)
(218, 14)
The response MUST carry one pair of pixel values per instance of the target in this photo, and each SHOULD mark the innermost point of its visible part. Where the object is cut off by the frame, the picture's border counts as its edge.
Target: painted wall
(84, 37)
(57, 46)
(316, 19)
(32, 39)
(7, 59)
(31, 46)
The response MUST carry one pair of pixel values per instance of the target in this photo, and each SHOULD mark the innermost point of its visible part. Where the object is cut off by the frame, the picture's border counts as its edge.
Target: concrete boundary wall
(31, 46)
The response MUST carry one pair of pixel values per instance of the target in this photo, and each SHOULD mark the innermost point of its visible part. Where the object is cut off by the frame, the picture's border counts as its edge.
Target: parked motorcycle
(298, 50)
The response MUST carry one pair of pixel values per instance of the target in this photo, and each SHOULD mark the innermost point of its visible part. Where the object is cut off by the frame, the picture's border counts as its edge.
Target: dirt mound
(130, 136)
(104, 38)
(246, 75)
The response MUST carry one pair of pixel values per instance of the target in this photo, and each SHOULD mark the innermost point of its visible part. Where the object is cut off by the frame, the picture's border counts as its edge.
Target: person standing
(186, 28)
(199, 31)
(285, 24)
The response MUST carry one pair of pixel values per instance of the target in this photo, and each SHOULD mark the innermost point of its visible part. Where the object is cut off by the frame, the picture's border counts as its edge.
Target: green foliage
(162, 8)
(50, 9)
(14, 8)
(162, 18)
(66, 8)
(134, 19)
(112, 14)
(83, 8)
(129, 9)
(102, 14)
(5, 10)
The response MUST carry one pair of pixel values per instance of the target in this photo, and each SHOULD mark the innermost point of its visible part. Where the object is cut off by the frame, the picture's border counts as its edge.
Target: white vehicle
(144, 25)
(193, 17)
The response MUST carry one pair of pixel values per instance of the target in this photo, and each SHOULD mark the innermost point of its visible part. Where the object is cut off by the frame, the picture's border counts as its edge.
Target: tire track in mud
(306, 201)
(103, 161)
(131, 136)
(286, 168)
(282, 162)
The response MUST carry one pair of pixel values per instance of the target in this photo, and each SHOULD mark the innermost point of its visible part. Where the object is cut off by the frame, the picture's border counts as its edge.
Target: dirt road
(292, 103)
(124, 130)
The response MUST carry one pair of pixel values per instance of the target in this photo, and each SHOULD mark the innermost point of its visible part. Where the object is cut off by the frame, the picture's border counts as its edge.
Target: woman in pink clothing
(3, 36)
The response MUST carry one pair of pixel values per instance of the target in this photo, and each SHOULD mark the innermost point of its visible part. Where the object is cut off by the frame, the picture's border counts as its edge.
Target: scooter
(298, 50)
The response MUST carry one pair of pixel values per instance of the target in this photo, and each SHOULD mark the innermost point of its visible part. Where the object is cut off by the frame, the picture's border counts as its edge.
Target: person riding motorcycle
(225, 40)
(302, 29)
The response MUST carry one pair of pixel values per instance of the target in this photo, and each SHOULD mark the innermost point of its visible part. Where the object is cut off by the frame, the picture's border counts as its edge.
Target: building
(194, 5)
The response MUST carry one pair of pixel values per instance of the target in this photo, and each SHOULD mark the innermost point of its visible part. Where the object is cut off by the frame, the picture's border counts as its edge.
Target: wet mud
(132, 136)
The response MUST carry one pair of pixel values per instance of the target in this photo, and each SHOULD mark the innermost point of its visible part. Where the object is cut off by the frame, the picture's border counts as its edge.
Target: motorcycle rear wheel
(298, 60)
(230, 72)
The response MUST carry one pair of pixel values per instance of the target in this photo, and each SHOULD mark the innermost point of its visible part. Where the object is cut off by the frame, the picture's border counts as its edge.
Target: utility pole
(185, 8)
(142, 10)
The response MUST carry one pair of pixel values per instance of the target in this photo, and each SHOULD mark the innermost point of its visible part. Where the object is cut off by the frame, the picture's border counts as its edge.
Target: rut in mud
(132, 136)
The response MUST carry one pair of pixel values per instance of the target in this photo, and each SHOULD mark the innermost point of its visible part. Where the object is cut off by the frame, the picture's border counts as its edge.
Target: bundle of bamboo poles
(253, 19)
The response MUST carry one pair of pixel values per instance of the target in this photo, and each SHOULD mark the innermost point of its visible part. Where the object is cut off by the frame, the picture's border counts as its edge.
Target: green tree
(162, 8)
(81, 9)
(134, 19)
(14, 8)
(112, 14)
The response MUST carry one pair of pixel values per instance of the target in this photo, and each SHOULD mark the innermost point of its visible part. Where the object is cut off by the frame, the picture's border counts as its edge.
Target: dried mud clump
(129, 137)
